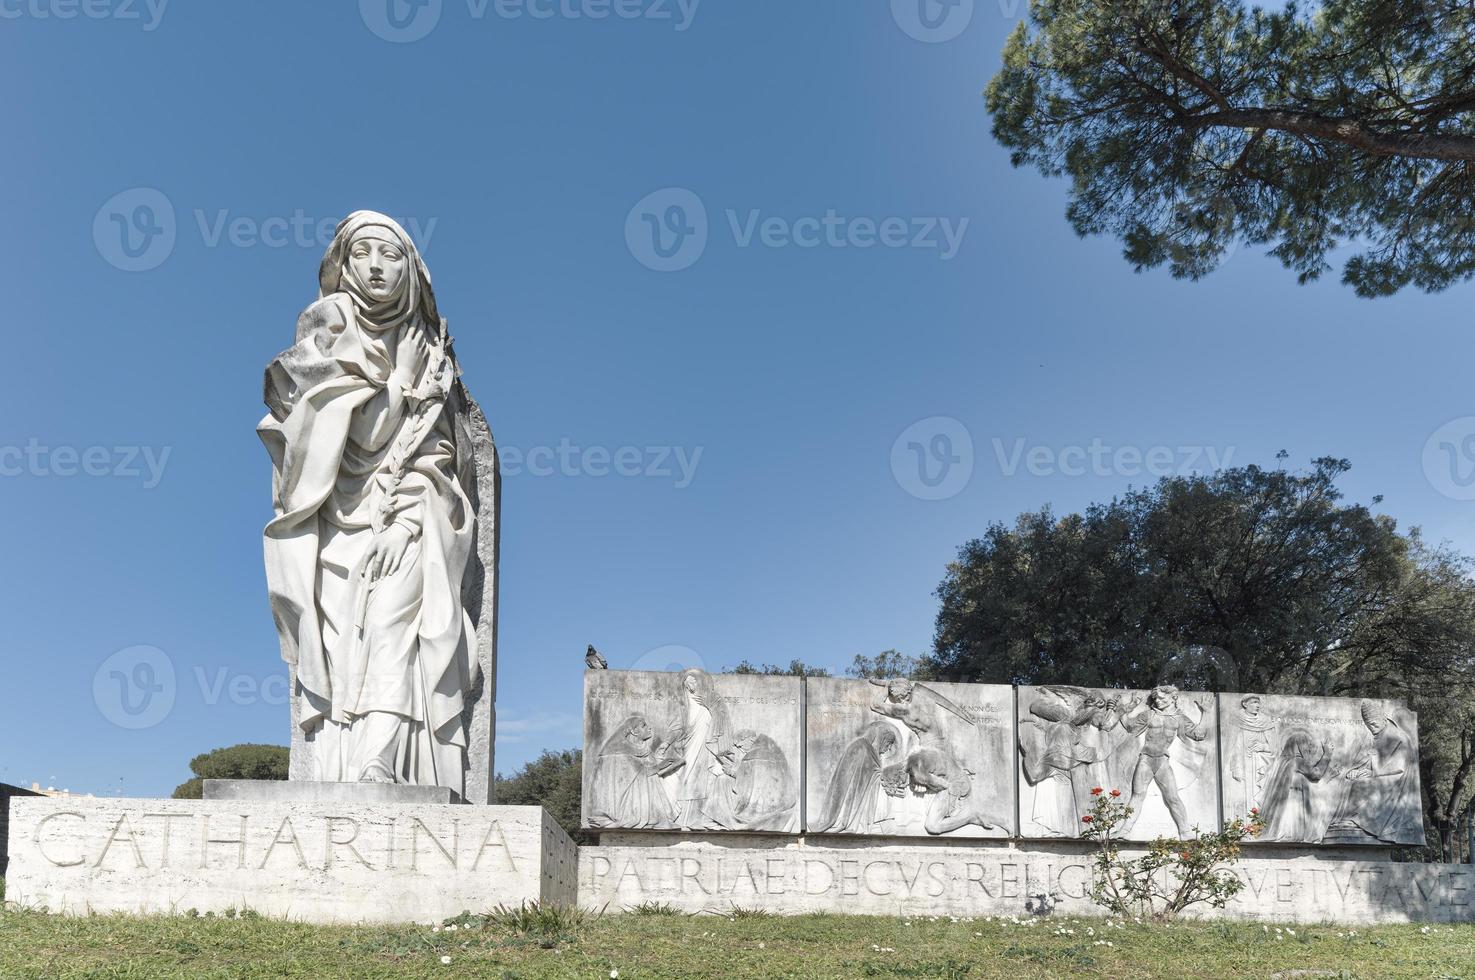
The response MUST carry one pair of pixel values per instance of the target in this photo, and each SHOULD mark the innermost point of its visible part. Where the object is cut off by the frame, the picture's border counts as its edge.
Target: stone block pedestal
(314, 861)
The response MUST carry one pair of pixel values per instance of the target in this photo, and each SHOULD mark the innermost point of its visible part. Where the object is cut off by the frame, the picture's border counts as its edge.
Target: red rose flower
(1116, 792)
(1096, 791)
(1255, 810)
(1183, 855)
(1087, 818)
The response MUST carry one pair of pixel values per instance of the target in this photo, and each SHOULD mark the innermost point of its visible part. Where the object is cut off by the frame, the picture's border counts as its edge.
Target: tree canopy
(248, 761)
(1188, 126)
(553, 780)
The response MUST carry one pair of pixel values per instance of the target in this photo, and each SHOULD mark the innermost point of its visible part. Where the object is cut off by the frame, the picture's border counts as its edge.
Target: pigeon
(593, 660)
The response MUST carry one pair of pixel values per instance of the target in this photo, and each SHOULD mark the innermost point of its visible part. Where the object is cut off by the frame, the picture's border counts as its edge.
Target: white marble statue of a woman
(373, 549)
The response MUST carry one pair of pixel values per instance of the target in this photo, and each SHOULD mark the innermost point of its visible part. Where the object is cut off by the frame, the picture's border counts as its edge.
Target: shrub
(1173, 875)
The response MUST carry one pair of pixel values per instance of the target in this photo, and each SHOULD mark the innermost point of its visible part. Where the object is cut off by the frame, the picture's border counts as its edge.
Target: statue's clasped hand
(387, 552)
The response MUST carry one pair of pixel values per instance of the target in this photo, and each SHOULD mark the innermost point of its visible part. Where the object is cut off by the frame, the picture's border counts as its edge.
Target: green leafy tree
(796, 668)
(247, 761)
(1187, 126)
(886, 665)
(554, 780)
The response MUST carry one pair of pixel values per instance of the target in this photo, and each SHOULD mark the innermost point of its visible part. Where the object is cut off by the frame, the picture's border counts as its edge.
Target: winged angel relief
(887, 764)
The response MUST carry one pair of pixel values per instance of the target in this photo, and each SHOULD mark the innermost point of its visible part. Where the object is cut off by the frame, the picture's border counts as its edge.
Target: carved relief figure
(853, 799)
(1251, 756)
(953, 804)
(1057, 762)
(690, 770)
(374, 527)
(1288, 807)
(628, 791)
(760, 785)
(1379, 796)
(702, 735)
(1160, 723)
(923, 715)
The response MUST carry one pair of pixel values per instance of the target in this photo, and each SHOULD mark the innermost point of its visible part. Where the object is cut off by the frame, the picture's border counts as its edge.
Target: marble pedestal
(308, 791)
(314, 861)
(871, 876)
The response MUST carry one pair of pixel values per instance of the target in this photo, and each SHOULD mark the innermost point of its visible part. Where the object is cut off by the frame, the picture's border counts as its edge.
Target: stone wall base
(307, 861)
(878, 877)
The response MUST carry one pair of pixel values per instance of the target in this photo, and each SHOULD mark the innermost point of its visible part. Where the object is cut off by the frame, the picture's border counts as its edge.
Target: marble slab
(312, 862)
(1323, 770)
(1161, 751)
(692, 751)
(908, 759)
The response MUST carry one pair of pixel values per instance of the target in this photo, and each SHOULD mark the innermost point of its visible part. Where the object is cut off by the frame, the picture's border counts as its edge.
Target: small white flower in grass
(614, 975)
(762, 945)
(1424, 931)
(435, 928)
(1290, 932)
(446, 960)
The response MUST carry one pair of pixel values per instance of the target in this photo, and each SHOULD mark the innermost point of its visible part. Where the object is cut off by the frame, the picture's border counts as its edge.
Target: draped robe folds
(334, 422)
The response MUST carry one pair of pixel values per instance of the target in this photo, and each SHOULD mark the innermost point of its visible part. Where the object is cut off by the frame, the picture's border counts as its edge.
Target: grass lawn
(664, 945)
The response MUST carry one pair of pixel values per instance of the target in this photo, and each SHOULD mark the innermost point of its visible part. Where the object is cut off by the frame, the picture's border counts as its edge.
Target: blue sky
(793, 362)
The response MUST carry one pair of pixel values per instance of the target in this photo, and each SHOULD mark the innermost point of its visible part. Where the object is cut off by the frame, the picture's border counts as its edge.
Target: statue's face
(691, 684)
(1375, 725)
(1252, 707)
(378, 262)
(899, 692)
(1160, 700)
